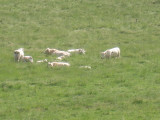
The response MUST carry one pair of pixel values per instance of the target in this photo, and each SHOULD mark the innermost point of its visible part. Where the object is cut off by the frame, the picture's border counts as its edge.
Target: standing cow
(18, 54)
(111, 53)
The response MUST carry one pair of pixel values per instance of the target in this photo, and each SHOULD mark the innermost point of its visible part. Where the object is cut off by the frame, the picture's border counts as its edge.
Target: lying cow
(53, 64)
(111, 53)
(18, 54)
(42, 61)
(87, 67)
(81, 51)
(56, 52)
(28, 59)
(49, 51)
(60, 58)
(61, 53)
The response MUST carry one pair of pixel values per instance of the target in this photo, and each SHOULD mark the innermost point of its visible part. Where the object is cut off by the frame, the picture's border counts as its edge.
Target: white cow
(53, 64)
(28, 59)
(42, 61)
(81, 51)
(111, 53)
(19, 54)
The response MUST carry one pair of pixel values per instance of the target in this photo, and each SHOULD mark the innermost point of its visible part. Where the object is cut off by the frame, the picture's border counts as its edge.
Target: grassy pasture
(118, 89)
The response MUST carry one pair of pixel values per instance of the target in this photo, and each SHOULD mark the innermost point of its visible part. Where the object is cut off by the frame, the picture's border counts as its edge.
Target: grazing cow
(111, 53)
(18, 54)
(81, 51)
(87, 67)
(53, 64)
(42, 61)
(28, 59)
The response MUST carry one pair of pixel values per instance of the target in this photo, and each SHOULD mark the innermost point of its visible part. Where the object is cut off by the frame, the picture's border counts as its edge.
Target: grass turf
(127, 88)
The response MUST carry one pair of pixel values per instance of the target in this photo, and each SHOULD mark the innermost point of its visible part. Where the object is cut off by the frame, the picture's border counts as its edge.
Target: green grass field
(117, 89)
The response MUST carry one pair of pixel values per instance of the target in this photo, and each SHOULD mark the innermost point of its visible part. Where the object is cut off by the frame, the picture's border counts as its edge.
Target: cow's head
(16, 52)
(45, 60)
(47, 51)
(81, 51)
(31, 59)
(22, 49)
(53, 50)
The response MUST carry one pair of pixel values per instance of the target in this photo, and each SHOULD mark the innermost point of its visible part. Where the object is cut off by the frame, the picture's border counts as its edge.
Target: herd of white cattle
(19, 56)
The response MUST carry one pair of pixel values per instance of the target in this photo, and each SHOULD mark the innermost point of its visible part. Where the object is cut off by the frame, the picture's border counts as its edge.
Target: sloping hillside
(117, 89)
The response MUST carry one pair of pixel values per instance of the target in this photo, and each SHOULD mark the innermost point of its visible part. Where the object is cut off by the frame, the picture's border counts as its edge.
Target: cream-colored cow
(56, 52)
(60, 58)
(61, 53)
(19, 54)
(53, 64)
(49, 51)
